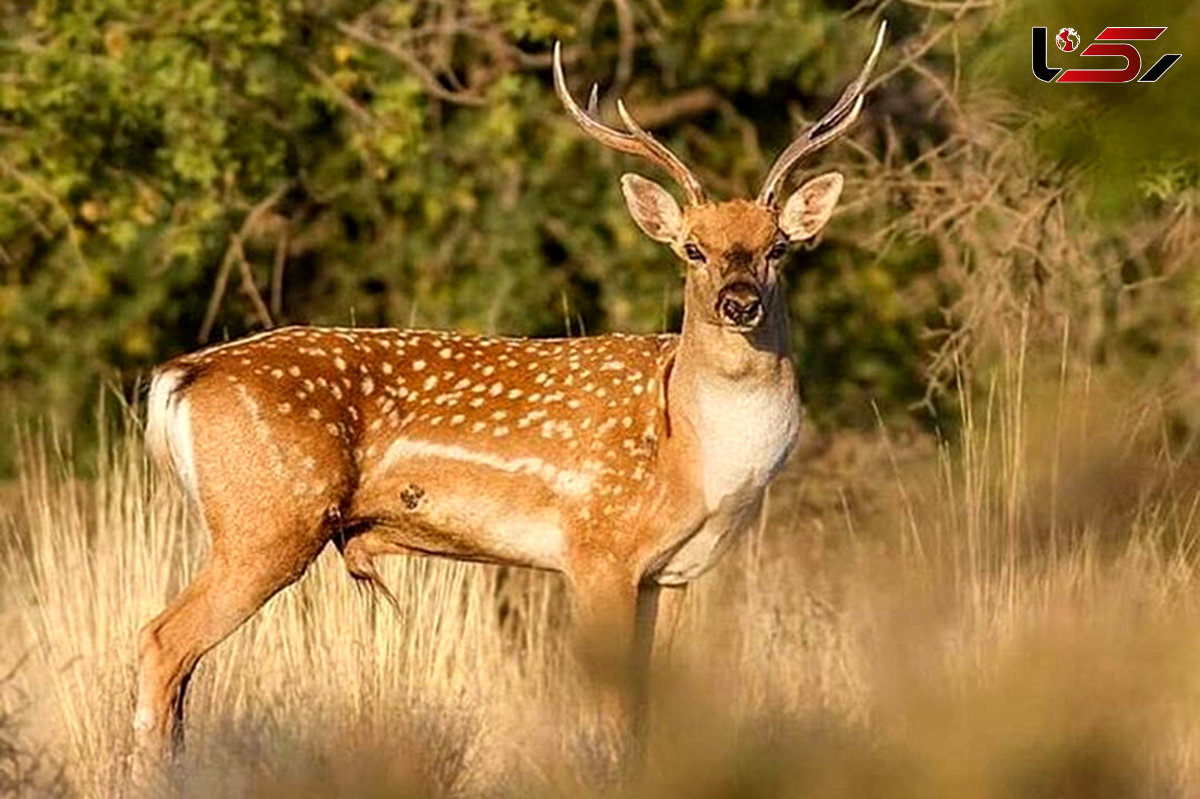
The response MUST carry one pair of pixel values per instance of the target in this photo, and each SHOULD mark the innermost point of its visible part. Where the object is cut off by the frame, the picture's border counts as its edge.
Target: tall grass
(1011, 614)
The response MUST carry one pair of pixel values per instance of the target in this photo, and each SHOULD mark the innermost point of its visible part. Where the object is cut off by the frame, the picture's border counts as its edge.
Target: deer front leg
(665, 626)
(659, 610)
(614, 622)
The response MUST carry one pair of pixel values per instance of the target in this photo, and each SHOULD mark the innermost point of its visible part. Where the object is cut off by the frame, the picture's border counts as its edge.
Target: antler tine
(665, 157)
(636, 142)
(830, 127)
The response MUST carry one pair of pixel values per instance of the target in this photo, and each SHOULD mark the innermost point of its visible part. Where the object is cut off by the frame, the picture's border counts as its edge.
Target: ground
(987, 617)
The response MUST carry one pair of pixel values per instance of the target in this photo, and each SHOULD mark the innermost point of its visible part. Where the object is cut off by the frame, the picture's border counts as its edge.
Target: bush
(172, 173)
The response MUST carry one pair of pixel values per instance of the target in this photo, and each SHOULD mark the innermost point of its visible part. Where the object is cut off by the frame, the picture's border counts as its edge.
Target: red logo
(1112, 42)
(1067, 39)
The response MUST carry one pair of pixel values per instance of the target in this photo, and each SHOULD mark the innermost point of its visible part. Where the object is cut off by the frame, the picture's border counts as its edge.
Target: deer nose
(740, 304)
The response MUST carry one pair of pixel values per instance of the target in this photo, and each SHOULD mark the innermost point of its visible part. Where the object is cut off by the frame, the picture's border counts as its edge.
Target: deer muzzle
(740, 305)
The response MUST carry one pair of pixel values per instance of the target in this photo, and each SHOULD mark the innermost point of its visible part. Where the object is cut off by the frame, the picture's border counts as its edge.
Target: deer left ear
(810, 206)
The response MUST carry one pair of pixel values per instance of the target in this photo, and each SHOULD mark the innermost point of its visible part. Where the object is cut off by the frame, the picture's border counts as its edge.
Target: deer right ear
(654, 210)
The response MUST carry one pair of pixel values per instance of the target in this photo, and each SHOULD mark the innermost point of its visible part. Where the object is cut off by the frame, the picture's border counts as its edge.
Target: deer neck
(710, 351)
(734, 395)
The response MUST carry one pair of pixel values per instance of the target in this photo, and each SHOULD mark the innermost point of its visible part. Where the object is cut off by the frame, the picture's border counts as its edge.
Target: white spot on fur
(567, 482)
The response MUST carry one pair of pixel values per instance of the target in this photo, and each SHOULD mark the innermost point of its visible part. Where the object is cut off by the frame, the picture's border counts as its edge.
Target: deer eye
(694, 253)
(777, 251)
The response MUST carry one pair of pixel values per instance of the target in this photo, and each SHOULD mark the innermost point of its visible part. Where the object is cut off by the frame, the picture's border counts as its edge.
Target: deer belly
(467, 511)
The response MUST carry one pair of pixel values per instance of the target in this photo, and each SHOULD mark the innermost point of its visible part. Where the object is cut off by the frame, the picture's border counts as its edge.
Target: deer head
(732, 248)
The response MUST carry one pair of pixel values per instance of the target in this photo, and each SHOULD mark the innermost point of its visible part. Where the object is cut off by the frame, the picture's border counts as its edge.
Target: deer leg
(224, 594)
(647, 625)
(659, 609)
(668, 617)
(614, 619)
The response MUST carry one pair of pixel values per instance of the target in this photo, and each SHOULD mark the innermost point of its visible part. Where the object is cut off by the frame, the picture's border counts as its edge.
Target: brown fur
(291, 434)
(625, 462)
(736, 224)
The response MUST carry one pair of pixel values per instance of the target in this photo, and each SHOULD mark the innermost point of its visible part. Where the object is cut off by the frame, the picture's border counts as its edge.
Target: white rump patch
(169, 430)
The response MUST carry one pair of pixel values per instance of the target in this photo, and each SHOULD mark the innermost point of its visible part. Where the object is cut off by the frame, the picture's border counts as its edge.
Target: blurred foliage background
(173, 173)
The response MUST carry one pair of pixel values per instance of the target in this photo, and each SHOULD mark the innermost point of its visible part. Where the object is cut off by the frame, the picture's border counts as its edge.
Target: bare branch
(218, 293)
(233, 254)
(625, 38)
(281, 253)
(248, 286)
(681, 106)
(356, 109)
(35, 187)
(427, 78)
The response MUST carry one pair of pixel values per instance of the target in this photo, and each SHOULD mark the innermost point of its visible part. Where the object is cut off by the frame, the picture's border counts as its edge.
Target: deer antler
(635, 142)
(830, 127)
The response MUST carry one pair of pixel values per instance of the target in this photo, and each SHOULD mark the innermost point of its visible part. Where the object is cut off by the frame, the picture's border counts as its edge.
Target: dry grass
(1011, 615)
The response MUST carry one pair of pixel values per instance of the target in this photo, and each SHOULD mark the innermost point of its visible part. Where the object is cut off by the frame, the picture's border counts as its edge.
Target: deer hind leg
(270, 488)
(254, 556)
(225, 593)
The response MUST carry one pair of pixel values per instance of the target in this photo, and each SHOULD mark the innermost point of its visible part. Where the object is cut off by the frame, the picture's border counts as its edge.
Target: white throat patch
(745, 435)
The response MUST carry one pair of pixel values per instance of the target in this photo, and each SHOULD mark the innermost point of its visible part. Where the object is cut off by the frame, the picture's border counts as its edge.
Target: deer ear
(810, 206)
(654, 210)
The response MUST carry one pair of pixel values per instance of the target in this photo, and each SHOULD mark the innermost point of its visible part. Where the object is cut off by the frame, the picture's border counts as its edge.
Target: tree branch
(427, 78)
(281, 253)
(236, 256)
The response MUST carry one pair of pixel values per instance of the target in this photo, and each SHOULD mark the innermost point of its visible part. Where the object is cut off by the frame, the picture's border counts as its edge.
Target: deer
(627, 463)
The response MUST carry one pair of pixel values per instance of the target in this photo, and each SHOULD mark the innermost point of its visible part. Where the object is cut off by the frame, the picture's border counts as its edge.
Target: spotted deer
(627, 463)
